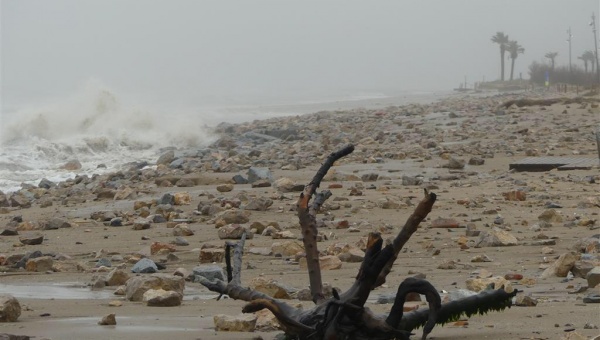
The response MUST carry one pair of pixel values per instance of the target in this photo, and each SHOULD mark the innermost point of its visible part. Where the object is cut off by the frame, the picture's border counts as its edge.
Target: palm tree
(514, 49)
(588, 56)
(551, 56)
(501, 39)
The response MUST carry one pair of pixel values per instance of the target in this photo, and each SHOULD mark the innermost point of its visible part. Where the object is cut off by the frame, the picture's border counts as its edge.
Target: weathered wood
(308, 222)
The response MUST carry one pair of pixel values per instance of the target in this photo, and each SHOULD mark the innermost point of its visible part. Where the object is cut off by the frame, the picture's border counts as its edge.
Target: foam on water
(94, 127)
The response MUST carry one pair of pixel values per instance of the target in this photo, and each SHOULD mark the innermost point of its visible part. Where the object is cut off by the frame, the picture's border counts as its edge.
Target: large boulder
(239, 323)
(256, 174)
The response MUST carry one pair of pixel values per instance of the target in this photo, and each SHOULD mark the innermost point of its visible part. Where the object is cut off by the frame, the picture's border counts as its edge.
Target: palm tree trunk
(501, 63)
(512, 68)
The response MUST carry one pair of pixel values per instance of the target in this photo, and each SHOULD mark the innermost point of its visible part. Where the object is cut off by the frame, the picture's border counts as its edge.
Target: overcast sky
(187, 52)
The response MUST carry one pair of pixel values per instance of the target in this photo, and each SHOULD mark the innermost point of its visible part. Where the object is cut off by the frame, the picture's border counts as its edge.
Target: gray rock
(103, 262)
(166, 158)
(455, 163)
(144, 266)
(46, 184)
(412, 180)
(31, 239)
(256, 173)
(239, 179)
(167, 199)
(593, 277)
(209, 272)
(56, 223)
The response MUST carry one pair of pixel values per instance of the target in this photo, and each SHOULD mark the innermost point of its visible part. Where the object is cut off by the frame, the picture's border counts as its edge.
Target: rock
(116, 277)
(476, 161)
(447, 264)
(138, 285)
(352, 255)
(180, 241)
(239, 179)
(166, 199)
(412, 180)
(328, 262)
(261, 183)
(145, 266)
(71, 165)
(39, 264)
(284, 184)
(562, 266)
(182, 229)
(108, 320)
(593, 277)
(481, 258)
(271, 288)
(588, 245)
(31, 239)
(166, 158)
(550, 216)
(103, 262)
(445, 223)
(225, 187)
(581, 268)
(239, 323)
(496, 238)
(211, 255)
(288, 248)
(496, 282)
(185, 183)
(592, 298)
(259, 204)
(182, 198)
(455, 163)
(370, 177)
(573, 335)
(141, 224)
(266, 321)
(209, 272)
(234, 232)
(286, 234)
(515, 195)
(255, 174)
(525, 301)
(46, 184)
(160, 247)
(234, 216)
(162, 298)
(20, 200)
(56, 223)
(10, 308)
(460, 294)
(124, 193)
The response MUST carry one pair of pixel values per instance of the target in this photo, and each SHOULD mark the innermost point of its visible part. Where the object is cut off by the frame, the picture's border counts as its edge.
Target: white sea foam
(94, 127)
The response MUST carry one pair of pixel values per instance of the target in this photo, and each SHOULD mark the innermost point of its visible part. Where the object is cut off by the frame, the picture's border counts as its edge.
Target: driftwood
(344, 315)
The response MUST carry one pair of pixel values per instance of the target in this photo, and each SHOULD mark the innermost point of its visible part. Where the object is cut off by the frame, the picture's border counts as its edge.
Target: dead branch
(308, 222)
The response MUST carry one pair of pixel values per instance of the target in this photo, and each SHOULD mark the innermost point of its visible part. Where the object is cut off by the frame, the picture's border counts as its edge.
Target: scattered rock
(10, 308)
(162, 298)
(138, 285)
(239, 323)
(145, 266)
(108, 320)
(496, 238)
(562, 266)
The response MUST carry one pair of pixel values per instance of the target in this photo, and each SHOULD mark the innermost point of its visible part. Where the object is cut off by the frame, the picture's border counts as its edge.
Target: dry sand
(59, 305)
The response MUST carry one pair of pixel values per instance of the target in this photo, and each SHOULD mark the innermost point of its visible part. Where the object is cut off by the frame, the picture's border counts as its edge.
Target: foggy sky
(190, 52)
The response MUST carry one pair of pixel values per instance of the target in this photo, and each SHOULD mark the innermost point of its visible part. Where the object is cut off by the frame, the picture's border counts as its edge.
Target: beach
(460, 146)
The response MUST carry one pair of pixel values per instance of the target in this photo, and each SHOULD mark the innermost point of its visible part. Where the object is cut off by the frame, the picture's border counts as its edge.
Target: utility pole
(569, 41)
(593, 24)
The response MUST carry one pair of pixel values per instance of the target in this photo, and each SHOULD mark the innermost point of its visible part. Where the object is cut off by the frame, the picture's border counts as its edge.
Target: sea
(104, 130)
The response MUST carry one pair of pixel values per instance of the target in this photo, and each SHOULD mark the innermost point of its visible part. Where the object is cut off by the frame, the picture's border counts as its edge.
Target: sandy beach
(460, 147)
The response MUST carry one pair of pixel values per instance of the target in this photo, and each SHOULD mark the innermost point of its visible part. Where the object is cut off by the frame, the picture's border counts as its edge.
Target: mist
(201, 53)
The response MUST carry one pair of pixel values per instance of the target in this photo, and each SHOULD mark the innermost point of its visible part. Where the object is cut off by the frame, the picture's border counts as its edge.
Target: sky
(195, 52)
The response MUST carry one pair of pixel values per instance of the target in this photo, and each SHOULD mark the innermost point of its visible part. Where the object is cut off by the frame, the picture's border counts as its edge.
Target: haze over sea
(104, 130)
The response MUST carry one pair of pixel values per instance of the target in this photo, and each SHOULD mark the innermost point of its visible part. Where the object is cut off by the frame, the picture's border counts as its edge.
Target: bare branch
(411, 225)
(308, 223)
